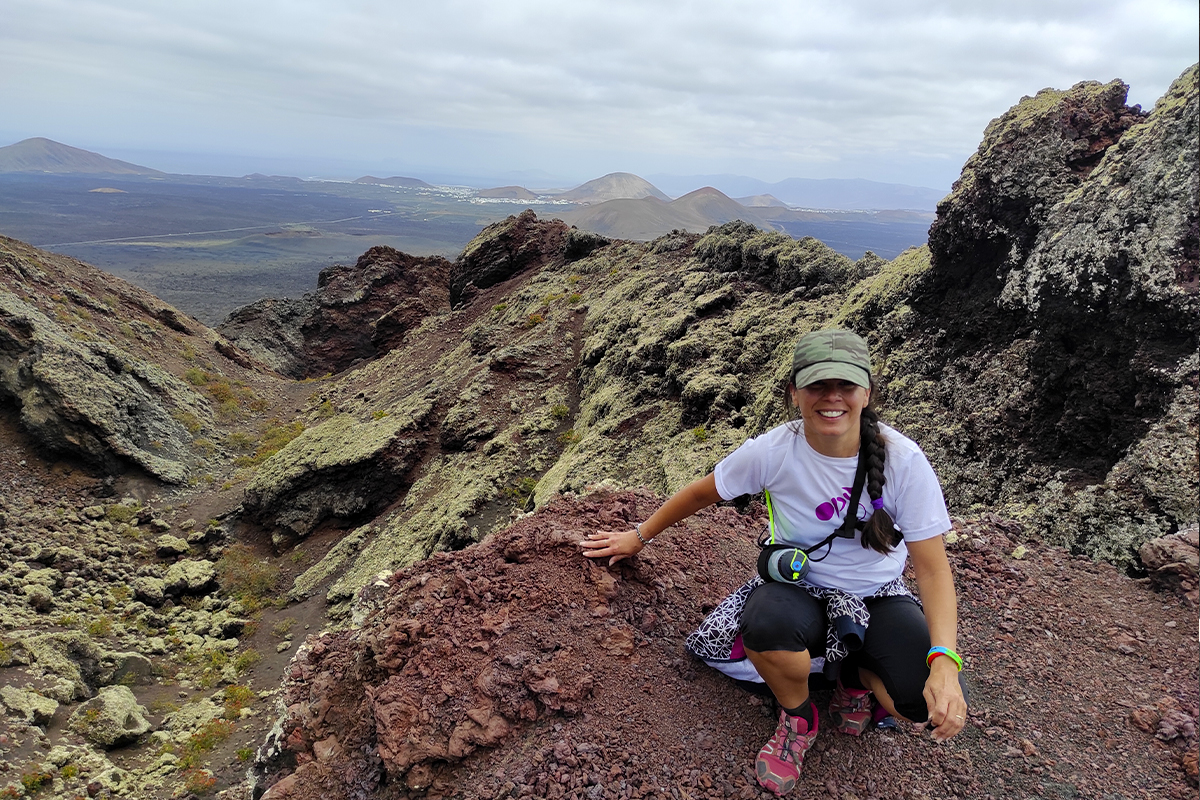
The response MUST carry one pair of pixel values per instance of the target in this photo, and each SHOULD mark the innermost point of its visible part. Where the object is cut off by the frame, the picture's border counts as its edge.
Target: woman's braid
(879, 531)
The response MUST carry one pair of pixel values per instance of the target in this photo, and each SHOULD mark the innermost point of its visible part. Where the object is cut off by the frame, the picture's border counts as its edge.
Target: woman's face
(831, 410)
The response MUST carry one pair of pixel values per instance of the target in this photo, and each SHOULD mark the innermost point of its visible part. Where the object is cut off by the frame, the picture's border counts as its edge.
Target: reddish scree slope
(516, 668)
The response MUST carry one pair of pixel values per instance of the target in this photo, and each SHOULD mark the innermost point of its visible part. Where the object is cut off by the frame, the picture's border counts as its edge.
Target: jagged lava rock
(1046, 357)
(357, 313)
(504, 249)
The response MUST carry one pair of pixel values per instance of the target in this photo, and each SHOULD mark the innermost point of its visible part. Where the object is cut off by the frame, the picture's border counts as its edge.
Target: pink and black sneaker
(781, 758)
(852, 710)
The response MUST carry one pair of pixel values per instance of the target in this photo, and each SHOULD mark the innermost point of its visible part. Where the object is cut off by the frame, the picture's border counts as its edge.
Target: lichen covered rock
(111, 718)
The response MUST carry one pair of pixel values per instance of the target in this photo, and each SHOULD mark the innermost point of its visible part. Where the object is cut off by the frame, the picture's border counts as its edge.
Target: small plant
(326, 410)
(236, 698)
(245, 576)
(533, 320)
(380, 414)
(67, 621)
(119, 512)
(199, 781)
(246, 659)
(574, 279)
(100, 627)
(560, 411)
(196, 377)
(700, 434)
(552, 297)
(69, 771)
(568, 438)
(188, 420)
(34, 781)
(120, 592)
(283, 627)
(299, 557)
(573, 298)
(500, 308)
(274, 438)
(241, 442)
(244, 753)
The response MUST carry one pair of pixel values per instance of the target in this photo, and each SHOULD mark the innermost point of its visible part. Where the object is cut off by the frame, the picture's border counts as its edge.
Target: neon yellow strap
(770, 514)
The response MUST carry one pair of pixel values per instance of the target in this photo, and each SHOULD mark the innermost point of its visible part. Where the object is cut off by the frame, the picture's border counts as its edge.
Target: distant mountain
(395, 180)
(614, 186)
(761, 201)
(830, 193)
(508, 193)
(649, 217)
(45, 155)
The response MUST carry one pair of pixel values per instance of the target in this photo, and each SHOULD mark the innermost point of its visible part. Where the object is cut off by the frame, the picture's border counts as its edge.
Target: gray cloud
(884, 90)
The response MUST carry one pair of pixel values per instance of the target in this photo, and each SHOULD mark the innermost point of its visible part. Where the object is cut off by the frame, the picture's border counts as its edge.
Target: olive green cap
(831, 355)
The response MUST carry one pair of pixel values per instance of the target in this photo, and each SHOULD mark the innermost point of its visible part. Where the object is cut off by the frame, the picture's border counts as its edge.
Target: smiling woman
(838, 597)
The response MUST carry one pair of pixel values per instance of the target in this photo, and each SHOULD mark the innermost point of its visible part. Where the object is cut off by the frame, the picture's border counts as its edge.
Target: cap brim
(833, 370)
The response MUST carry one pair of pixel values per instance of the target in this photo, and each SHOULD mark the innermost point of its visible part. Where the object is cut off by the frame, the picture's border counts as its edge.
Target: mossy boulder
(343, 468)
(111, 718)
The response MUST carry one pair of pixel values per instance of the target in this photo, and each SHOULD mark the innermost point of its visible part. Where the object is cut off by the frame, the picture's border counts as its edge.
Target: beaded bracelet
(934, 652)
(638, 530)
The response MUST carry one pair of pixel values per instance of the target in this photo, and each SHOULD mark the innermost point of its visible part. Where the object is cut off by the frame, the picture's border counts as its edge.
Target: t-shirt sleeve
(743, 471)
(921, 506)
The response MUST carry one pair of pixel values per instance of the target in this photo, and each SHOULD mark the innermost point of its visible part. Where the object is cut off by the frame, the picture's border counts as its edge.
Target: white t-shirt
(810, 492)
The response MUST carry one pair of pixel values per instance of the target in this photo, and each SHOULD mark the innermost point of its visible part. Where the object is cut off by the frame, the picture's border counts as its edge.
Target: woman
(812, 470)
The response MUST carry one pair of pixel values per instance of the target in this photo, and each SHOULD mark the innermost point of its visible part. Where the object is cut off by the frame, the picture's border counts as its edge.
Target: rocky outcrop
(1046, 356)
(342, 468)
(506, 248)
(357, 711)
(103, 372)
(91, 400)
(357, 313)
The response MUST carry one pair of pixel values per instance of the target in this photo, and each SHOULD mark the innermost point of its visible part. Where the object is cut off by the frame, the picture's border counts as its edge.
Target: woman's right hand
(617, 545)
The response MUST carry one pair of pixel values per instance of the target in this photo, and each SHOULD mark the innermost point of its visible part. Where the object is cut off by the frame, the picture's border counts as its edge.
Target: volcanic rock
(356, 314)
(111, 718)
(504, 249)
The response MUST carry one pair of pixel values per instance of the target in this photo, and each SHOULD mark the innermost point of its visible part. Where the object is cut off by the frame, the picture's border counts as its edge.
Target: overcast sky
(889, 90)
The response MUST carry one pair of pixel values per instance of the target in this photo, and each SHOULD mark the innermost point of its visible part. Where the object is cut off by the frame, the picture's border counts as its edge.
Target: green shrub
(246, 577)
(236, 698)
(188, 420)
(34, 781)
(560, 411)
(700, 434)
(246, 659)
(533, 320)
(568, 438)
(100, 627)
(199, 781)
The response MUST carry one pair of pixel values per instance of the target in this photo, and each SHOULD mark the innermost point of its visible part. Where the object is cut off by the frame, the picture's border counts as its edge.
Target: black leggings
(781, 616)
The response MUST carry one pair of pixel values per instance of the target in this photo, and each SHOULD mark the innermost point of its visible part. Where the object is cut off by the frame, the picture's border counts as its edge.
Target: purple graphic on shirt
(835, 506)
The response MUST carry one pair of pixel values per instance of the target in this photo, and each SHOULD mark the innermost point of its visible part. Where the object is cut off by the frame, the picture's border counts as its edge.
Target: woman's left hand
(944, 698)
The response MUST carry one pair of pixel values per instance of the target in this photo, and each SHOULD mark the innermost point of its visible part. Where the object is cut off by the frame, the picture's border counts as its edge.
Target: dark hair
(879, 531)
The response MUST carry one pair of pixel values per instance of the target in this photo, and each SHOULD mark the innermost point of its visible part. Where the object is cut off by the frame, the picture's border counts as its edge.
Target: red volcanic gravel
(517, 668)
